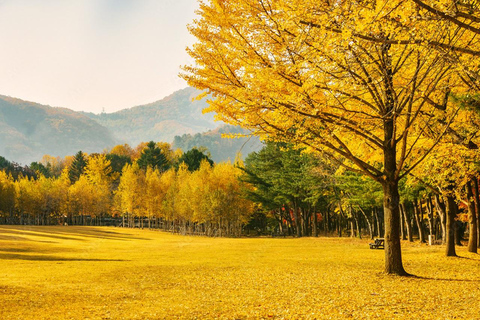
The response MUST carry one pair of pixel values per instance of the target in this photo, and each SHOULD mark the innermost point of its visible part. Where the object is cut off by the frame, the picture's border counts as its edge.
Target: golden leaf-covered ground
(112, 273)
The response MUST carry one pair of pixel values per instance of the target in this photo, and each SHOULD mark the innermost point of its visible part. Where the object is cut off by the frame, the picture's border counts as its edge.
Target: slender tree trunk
(339, 225)
(472, 220)
(379, 224)
(314, 217)
(374, 223)
(459, 231)
(340, 220)
(359, 227)
(303, 215)
(438, 229)
(352, 227)
(450, 238)
(402, 223)
(327, 223)
(418, 221)
(420, 216)
(442, 213)
(477, 207)
(368, 223)
(430, 217)
(408, 223)
(298, 224)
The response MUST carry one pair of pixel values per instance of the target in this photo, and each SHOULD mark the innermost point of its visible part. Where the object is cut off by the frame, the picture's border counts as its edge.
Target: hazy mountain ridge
(29, 130)
(162, 120)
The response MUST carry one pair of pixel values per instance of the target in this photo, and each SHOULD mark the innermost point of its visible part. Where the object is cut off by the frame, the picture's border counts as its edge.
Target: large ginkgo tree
(365, 83)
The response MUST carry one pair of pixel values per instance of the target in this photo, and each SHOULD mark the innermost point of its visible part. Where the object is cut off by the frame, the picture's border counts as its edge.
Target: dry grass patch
(111, 273)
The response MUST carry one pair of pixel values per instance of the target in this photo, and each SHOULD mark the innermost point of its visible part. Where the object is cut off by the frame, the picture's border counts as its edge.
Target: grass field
(112, 273)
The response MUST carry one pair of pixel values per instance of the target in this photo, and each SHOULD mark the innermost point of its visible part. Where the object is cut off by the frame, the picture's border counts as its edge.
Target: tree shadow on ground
(443, 279)
(94, 232)
(45, 234)
(18, 238)
(11, 256)
(466, 258)
(69, 233)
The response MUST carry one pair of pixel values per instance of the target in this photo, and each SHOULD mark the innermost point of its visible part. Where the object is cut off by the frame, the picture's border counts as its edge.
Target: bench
(379, 243)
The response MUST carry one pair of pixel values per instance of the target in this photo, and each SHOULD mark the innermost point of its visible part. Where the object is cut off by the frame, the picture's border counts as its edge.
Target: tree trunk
(339, 225)
(359, 227)
(441, 212)
(340, 220)
(408, 223)
(402, 223)
(420, 216)
(450, 226)
(391, 198)
(314, 218)
(368, 223)
(328, 222)
(472, 220)
(417, 214)
(304, 217)
(459, 230)
(393, 252)
(298, 224)
(477, 207)
(379, 224)
(352, 228)
(430, 216)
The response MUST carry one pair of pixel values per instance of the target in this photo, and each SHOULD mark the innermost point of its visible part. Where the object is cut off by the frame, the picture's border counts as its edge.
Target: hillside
(177, 114)
(29, 130)
(221, 149)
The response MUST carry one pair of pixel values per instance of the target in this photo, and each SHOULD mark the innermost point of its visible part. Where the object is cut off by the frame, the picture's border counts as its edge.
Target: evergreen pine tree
(77, 167)
(152, 156)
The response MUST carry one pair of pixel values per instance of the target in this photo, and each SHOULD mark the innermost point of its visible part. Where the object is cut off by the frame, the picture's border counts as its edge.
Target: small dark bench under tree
(379, 243)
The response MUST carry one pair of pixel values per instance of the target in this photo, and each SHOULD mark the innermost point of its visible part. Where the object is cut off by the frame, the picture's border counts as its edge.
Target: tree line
(152, 186)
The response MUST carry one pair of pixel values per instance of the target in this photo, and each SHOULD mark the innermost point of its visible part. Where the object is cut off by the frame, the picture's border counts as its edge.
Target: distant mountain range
(29, 130)
(174, 115)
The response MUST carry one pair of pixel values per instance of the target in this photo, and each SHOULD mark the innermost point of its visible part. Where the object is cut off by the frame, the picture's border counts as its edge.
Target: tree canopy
(193, 158)
(152, 156)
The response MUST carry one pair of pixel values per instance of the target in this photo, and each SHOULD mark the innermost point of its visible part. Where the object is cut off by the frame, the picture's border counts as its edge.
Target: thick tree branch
(448, 17)
(399, 42)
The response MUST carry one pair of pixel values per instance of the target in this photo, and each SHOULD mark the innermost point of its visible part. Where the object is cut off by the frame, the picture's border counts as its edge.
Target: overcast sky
(93, 54)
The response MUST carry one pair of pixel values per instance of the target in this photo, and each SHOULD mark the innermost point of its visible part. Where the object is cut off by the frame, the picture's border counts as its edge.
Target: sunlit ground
(113, 273)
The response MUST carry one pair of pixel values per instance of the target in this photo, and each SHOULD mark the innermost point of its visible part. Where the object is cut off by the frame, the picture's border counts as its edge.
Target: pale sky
(93, 54)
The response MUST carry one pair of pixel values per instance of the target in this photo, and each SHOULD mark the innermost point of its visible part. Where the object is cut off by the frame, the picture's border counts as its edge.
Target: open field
(112, 273)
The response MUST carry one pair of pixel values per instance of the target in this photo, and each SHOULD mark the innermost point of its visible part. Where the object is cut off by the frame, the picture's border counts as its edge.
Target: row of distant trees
(156, 187)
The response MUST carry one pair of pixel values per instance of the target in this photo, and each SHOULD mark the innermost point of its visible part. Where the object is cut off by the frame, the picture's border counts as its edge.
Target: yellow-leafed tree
(98, 173)
(153, 194)
(365, 83)
(130, 193)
